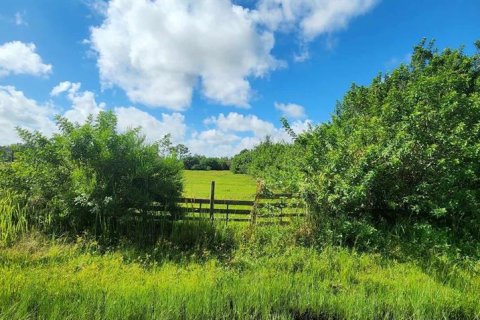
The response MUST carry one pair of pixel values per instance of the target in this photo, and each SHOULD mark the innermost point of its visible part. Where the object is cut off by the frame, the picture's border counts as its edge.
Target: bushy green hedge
(273, 162)
(241, 161)
(405, 147)
(198, 162)
(90, 177)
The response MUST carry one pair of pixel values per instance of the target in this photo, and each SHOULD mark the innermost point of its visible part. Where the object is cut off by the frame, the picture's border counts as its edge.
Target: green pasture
(232, 187)
(227, 185)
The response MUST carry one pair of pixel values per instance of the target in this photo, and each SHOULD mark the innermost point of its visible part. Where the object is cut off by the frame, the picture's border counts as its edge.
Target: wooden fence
(265, 207)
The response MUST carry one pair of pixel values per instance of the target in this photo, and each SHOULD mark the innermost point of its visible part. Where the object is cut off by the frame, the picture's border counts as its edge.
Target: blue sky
(216, 75)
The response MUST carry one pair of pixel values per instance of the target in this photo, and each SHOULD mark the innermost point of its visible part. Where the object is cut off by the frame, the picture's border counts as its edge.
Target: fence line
(221, 209)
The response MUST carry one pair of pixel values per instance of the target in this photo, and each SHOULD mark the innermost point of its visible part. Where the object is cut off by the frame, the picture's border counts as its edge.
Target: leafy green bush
(241, 161)
(90, 178)
(275, 163)
(405, 147)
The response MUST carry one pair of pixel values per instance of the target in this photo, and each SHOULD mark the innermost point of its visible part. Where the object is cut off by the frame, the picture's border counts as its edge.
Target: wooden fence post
(226, 220)
(253, 214)
(212, 199)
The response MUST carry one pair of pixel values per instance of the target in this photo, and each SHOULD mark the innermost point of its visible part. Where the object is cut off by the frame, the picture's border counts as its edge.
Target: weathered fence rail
(216, 201)
(264, 206)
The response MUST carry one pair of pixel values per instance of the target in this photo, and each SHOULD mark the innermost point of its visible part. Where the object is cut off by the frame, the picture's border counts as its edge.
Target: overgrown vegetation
(90, 178)
(399, 157)
(267, 275)
(6, 154)
(404, 149)
(274, 163)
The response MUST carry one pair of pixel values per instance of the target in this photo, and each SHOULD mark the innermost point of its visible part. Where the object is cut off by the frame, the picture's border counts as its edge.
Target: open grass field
(232, 187)
(227, 185)
(261, 278)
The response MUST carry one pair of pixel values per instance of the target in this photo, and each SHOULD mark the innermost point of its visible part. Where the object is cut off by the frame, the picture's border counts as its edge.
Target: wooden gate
(264, 208)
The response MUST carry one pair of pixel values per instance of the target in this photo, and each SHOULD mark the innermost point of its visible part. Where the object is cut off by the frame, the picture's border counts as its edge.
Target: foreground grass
(255, 280)
(228, 185)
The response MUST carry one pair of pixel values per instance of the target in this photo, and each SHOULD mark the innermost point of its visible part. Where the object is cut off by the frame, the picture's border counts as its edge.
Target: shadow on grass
(162, 240)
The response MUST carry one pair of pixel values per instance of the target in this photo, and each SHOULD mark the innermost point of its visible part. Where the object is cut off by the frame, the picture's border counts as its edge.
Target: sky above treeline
(215, 74)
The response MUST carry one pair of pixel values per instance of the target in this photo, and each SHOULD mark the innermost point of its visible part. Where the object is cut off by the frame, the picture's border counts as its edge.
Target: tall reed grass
(13, 217)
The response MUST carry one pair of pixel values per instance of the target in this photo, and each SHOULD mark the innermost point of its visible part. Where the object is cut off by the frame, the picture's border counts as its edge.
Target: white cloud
(61, 88)
(18, 110)
(159, 51)
(302, 56)
(153, 128)
(311, 17)
(236, 122)
(99, 7)
(213, 142)
(291, 110)
(234, 132)
(19, 58)
(226, 135)
(83, 102)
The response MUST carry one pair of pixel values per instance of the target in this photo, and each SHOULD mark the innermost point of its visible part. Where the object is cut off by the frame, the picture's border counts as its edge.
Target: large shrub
(241, 161)
(405, 147)
(275, 163)
(90, 177)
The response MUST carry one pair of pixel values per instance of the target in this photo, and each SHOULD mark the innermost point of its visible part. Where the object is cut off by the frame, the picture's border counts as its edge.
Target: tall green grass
(266, 275)
(13, 217)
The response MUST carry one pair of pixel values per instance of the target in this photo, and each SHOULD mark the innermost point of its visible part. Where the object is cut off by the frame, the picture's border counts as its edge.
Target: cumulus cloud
(234, 132)
(291, 110)
(225, 135)
(213, 142)
(60, 88)
(16, 110)
(159, 52)
(20, 58)
(310, 17)
(83, 102)
(99, 7)
(153, 128)
(236, 122)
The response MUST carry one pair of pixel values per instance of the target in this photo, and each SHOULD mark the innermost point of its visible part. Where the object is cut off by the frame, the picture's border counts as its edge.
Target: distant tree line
(199, 162)
(6, 153)
(192, 162)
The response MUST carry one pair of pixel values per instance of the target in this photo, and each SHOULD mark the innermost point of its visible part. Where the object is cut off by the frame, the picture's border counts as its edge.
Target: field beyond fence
(264, 207)
(234, 197)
